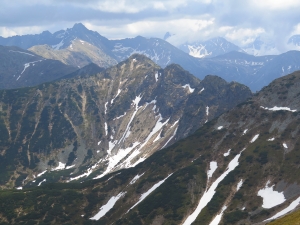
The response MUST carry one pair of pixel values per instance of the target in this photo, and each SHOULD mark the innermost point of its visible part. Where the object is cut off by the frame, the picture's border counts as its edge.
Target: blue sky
(191, 20)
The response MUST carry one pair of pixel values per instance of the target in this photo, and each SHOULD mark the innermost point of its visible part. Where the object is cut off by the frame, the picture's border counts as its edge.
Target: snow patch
(270, 197)
(201, 91)
(21, 52)
(254, 138)
(136, 178)
(69, 167)
(108, 206)
(227, 153)
(276, 108)
(60, 166)
(245, 131)
(291, 207)
(271, 139)
(157, 137)
(42, 182)
(213, 166)
(105, 106)
(136, 103)
(285, 145)
(198, 51)
(170, 138)
(143, 196)
(113, 160)
(19, 188)
(218, 218)
(174, 123)
(220, 128)
(156, 76)
(57, 47)
(105, 125)
(40, 174)
(209, 193)
(239, 185)
(156, 128)
(99, 142)
(112, 101)
(118, 117)
(191, 90)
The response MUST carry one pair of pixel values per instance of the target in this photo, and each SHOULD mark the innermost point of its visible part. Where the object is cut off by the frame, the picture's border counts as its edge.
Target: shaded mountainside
(91, 125)
(21, 68)
(240, 168)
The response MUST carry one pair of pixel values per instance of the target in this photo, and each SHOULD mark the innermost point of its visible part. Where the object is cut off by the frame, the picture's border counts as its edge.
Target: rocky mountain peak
(79, 27)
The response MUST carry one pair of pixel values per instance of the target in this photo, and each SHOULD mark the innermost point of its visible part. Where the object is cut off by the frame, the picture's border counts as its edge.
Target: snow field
(213, 166)
(108, 206)
(276, 108)
(291, 207)
(135, 178)
(270, 197)
(155, 186)
(209, 193)
(218, 218)
(285, 145)
(254, 138)
(227, 153)
(191, 90)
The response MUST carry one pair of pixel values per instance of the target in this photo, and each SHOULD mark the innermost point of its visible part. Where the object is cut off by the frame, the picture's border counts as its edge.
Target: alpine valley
(136, 131)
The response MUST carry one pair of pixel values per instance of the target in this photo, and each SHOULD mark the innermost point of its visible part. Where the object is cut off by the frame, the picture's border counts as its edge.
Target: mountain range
(240, 167)
(98, 131)
(79, 46)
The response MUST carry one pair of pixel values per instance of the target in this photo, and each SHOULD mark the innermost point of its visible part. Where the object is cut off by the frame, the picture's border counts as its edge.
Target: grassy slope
(291, 219)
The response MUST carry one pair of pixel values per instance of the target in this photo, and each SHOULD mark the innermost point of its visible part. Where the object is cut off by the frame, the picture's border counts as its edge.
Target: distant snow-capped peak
(210, 48)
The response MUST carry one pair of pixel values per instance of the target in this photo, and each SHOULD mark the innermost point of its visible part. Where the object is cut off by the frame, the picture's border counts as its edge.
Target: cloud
(191, 20)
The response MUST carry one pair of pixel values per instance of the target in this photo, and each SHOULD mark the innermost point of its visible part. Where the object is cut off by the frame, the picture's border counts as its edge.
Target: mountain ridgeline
(91, 125)
(78, 46)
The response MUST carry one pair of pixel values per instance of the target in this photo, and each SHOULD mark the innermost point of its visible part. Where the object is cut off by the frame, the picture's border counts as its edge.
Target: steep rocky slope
(91, 125)
(21, 68)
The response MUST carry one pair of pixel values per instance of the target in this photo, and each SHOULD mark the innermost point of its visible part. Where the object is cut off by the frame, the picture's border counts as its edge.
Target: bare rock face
(90, 125)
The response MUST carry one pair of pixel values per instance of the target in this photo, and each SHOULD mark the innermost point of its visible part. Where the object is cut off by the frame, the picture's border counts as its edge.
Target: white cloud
(133, 6)
(185, 29)
(243, 36)
(191, 20)
(276, 4)
(8, 32)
